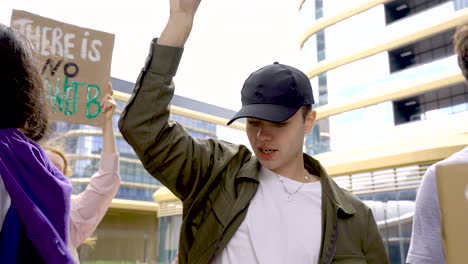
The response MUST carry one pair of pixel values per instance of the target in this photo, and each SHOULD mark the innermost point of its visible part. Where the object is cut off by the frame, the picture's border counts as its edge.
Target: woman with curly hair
(34, 195)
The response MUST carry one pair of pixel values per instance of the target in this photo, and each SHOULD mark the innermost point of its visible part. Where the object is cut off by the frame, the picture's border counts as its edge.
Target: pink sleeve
(90, 206)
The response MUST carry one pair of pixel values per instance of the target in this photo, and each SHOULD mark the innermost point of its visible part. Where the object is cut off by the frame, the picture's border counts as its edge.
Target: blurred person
(426, 246)
(89, 207)
(34, 195)
(277, 206)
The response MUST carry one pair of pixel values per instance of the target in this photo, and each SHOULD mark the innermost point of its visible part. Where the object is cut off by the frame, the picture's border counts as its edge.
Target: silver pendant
(289, 198)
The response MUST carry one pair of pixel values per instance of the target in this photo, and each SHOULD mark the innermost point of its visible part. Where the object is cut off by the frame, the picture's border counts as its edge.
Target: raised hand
(184, 7)
(108, 104)
(179, 26)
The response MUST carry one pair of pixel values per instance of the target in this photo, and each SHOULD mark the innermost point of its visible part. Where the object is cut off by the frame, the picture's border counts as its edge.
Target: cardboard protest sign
(75, 63)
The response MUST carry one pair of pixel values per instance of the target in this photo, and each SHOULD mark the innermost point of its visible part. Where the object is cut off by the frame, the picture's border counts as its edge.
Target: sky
(229, 40)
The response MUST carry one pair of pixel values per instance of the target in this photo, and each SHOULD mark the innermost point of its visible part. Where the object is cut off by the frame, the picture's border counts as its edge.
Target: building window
(424, 51)
(169, 232)
(321, 45)
(396, 10)
(323, 91)
(460, 4)
(318, 141)
(318, 9)
(407, 110)
(433, 104)
(390, 194)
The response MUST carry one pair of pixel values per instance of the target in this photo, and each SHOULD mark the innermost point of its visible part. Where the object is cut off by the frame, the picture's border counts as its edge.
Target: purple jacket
(35, 229)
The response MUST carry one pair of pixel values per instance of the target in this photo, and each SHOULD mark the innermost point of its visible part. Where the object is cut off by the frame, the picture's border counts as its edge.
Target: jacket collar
(329, 188)
(250, 169)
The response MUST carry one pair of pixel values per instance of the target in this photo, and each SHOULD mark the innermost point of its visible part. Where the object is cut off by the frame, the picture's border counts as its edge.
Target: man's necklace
(290, 194)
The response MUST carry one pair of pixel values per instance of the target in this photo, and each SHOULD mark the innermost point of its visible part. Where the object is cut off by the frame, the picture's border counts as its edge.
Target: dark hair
(461, 48)
(306, 110)
(22, 101)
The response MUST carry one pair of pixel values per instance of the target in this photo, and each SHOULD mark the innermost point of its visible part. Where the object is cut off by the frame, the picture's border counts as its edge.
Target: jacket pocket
(222, 208)
(212, 226)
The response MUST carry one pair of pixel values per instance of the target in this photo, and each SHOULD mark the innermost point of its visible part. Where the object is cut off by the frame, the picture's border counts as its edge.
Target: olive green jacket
(216, 180)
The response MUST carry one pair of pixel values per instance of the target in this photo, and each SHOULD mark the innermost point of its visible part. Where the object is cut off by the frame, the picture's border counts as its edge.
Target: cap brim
(268, 112)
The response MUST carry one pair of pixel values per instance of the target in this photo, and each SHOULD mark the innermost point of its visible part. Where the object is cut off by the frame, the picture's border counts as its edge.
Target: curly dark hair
(22, 102)
(461, 48)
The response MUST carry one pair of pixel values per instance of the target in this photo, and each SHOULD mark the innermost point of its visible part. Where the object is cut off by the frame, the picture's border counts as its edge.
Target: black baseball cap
(274, 93)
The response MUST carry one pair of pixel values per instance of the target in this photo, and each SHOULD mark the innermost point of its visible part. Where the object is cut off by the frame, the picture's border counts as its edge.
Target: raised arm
(167, 151)
(108, 107)
(90, 206)
(180, 23)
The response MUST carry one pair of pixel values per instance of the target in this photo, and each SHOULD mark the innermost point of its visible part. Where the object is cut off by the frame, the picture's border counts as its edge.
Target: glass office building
(391, 99)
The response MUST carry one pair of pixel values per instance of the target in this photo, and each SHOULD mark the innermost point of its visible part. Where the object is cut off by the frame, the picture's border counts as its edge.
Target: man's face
(278, 146)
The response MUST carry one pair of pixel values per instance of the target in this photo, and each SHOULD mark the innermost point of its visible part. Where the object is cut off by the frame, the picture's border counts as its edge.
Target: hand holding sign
(73, 61)
(108, 104)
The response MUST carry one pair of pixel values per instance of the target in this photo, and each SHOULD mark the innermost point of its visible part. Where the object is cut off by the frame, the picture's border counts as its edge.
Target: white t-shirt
(5, 202)
(276, 230)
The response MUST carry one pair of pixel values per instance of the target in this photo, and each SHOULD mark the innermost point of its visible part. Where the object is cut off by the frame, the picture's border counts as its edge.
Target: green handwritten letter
(93, 100)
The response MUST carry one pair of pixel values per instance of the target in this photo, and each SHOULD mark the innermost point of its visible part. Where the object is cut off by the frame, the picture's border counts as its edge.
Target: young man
(426, 245)
(278, 206)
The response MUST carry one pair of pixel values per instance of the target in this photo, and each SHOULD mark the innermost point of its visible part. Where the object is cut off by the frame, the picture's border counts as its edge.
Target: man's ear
(310, 121)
